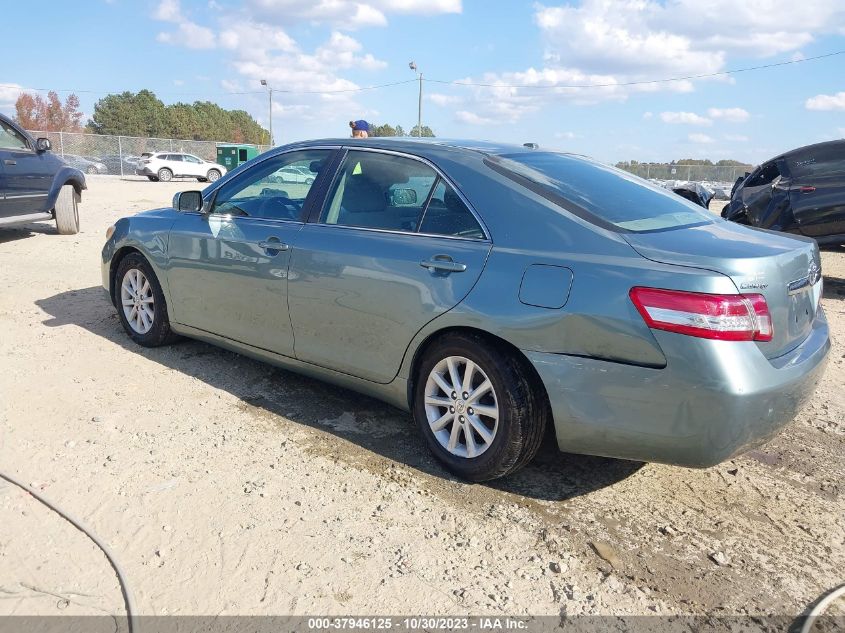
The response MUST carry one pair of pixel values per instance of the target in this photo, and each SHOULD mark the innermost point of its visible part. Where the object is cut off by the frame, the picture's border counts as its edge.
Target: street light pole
(413, 66)
(270, 93)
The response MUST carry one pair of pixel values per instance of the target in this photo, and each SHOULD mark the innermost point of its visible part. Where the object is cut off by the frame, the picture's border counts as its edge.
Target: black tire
(153, 178)
(201, 179)
(92, 169)
(524, 412)
(165, 175)
(160, 333)
(213, 175)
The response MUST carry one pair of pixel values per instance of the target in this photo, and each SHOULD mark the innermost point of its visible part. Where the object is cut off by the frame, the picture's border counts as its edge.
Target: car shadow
(27, 230)
(834, 287)
(269, 391)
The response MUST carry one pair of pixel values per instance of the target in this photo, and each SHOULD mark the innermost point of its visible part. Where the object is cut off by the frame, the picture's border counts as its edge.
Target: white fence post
(61, 143)
(120, 155)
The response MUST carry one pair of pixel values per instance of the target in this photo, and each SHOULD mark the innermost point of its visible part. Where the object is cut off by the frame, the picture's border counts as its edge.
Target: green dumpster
(230, 156)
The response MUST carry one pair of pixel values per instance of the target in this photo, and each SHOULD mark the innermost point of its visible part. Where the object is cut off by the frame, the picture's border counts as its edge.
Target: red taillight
(722, 317)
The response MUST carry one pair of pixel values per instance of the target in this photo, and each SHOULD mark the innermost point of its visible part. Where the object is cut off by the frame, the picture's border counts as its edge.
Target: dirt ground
(227, 486)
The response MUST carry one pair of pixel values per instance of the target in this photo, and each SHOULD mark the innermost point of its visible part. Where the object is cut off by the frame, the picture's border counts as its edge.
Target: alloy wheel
(137, 301)
(461, 407)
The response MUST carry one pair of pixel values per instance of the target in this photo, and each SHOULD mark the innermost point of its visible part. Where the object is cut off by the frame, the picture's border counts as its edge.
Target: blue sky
(186, 50)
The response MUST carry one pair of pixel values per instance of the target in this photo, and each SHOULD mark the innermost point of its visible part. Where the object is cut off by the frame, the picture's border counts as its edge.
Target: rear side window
(447, 214)
(379, 191)
(603, 195)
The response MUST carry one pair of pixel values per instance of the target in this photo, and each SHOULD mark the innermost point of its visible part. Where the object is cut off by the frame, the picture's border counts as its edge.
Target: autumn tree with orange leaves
(48, 115)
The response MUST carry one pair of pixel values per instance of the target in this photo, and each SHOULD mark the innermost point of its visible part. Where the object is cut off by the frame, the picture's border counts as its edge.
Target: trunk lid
(786, 270)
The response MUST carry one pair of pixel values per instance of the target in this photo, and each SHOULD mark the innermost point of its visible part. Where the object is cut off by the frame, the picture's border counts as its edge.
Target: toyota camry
(492, 291)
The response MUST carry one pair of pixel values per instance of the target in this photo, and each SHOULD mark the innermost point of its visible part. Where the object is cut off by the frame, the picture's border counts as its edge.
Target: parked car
(801, 192)
(85, 165)
(165, 166)
(35, 184)
(296, 174)
(524, 288)
(695, 192)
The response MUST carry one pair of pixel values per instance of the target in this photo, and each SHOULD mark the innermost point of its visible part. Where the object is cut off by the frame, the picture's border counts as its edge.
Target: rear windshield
(604, 195)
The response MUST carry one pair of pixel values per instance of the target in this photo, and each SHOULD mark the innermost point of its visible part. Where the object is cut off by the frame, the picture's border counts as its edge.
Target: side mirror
(401, 197)
(43, 145)
(188, 201)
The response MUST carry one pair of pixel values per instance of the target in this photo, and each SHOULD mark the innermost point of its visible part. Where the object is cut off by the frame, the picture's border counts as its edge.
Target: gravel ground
(227, 486)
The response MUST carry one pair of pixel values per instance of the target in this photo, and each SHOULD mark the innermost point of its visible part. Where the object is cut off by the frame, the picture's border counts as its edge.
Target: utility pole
(413, 66)
(270, 93)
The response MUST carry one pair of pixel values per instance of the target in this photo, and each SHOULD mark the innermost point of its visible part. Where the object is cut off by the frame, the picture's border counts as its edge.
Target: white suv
(166, 166)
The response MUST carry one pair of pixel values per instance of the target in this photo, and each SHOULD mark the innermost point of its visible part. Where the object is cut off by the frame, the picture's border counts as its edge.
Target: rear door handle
(273, 244)
(443, 263)
(9, 161)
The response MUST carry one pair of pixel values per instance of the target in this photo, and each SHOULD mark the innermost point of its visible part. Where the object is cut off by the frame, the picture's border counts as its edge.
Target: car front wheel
(165, 175)
(213, 175)
(67, 211)
(478, 407)
(140, 302)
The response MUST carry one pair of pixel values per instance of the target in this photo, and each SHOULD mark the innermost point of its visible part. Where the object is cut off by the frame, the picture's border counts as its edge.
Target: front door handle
(273, 244)
(443, 263)
(9, 161)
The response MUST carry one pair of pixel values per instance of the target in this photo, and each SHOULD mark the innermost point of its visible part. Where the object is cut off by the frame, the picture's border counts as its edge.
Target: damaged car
(801, 192)
(695, 192)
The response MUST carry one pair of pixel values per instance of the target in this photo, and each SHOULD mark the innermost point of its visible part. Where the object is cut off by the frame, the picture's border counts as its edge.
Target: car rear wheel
(309, 181)
(165, 175)
(67, 211)
(140, 302)
(478, 407)
(213, 175)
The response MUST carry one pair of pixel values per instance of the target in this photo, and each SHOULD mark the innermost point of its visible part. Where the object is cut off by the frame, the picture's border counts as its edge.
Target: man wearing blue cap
(360, 129)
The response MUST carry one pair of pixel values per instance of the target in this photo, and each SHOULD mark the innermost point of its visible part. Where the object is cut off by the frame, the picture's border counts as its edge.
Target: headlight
(109, 232)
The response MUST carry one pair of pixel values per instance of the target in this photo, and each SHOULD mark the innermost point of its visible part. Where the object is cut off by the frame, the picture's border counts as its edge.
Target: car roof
(840, 143)
(422, 146)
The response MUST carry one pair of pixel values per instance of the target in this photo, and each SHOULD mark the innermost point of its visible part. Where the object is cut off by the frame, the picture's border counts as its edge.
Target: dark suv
(35, 184)
(801, 191)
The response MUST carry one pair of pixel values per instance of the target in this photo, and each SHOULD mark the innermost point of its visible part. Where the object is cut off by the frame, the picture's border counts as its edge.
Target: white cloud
(842, 132)
(471, 118)
(733, 115)
(346, 14)
(826, 102)
(188, 33)
(700, 138)
(168, 11)
(687, 118)
(737, 138)
(444, 100)
(9, 93)
(647, 115)
(252, 39)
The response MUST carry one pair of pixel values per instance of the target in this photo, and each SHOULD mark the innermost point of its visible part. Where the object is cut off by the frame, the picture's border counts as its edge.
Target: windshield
(603, 195)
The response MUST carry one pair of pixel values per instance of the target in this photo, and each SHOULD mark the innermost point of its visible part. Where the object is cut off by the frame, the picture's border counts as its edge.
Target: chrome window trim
(395, 232)
(437, 171)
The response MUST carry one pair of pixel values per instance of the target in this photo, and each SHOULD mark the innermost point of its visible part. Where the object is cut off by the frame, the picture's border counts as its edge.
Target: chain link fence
(699, 173)
(106, 154)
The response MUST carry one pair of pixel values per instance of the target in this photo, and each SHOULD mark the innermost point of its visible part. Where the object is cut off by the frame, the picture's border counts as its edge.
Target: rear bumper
(144, 171)
(713, 399)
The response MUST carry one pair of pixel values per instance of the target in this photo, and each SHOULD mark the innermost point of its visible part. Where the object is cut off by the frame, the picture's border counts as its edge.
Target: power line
(636, 83)
(459, 83)
(218, 94)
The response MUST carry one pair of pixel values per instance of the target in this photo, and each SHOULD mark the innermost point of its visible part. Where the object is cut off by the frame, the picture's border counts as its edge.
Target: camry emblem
(814, 273)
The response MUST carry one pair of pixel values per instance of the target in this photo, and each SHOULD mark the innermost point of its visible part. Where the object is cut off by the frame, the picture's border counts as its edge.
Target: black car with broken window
(801, 191)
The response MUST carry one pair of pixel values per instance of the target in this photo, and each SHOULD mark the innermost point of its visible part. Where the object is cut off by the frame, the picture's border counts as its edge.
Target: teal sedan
(492, 291)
